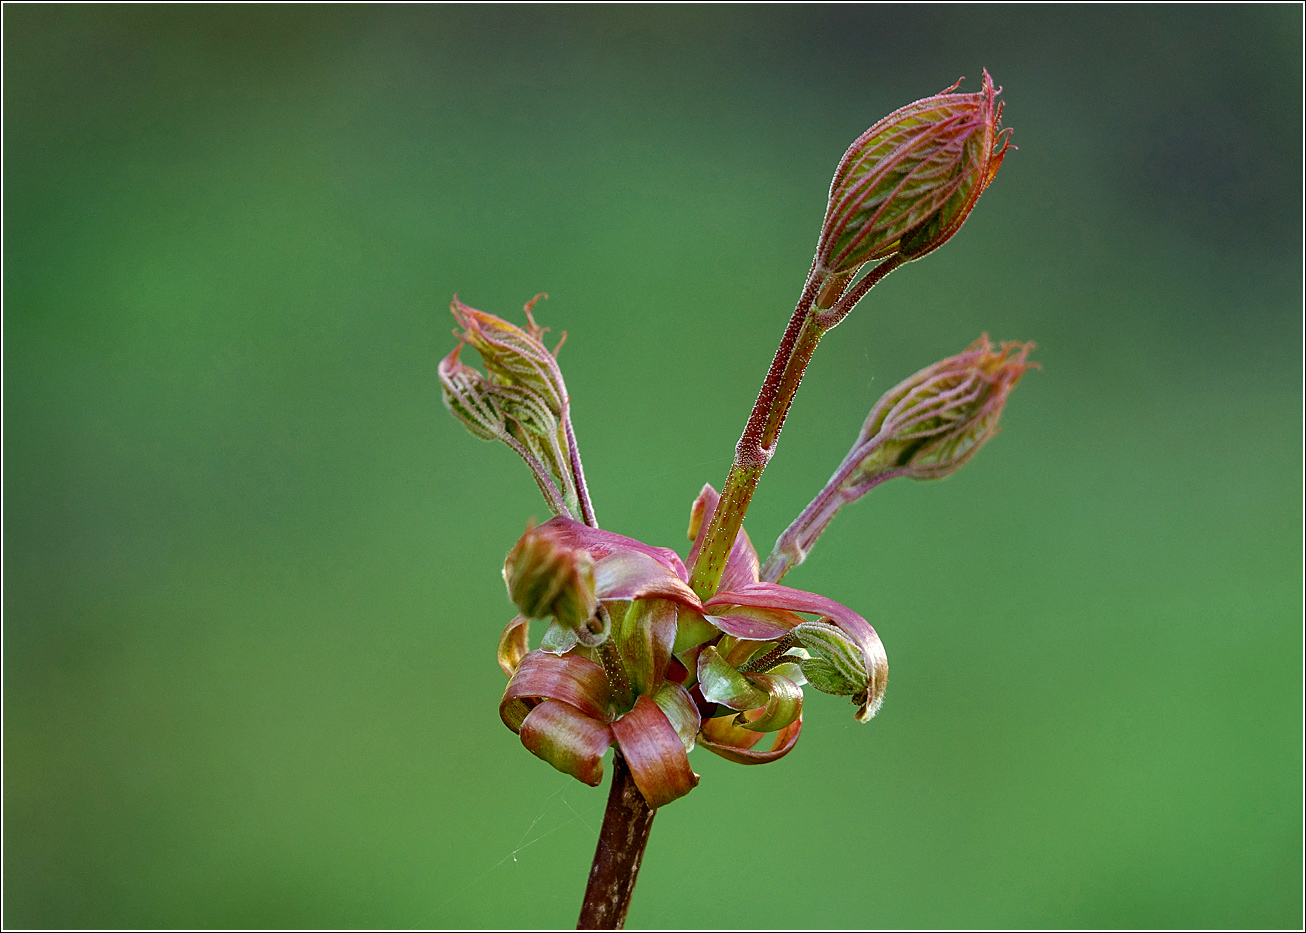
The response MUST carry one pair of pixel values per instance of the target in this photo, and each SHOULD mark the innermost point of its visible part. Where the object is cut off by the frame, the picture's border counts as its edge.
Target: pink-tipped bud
(907, 184)
(935, 421)
(515, 357)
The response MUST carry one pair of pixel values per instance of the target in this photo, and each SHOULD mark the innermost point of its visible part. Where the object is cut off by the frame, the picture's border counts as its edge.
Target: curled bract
(634, 658)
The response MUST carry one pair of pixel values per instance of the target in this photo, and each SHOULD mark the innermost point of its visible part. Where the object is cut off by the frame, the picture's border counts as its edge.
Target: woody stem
(622, 839)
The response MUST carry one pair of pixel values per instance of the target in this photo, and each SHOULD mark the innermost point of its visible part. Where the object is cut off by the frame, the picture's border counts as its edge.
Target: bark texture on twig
(625, 831)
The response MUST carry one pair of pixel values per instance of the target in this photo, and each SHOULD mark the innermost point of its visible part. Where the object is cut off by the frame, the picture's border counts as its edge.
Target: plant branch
(620, 849)
(807, 326)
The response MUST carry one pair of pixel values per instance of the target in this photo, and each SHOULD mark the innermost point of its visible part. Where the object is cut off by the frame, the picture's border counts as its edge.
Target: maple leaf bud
(931, 424)
(907, 184)
(514, 356)
(521, 403)
(546, 577)
(925, 427)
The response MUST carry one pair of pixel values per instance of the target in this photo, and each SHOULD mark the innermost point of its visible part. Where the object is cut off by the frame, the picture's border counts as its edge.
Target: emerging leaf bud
(837, 666)
(515, 357)
(546, 577)
(932, 423)
(522, 403)
(925, 427)
(907, 184)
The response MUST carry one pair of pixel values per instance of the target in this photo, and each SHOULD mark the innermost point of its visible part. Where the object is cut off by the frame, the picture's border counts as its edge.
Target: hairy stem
(777, 655)
(757, 444)
(622, 839)
(548, 489)
(751, 454)
(578, 471)
(792, 546)
(846, 303)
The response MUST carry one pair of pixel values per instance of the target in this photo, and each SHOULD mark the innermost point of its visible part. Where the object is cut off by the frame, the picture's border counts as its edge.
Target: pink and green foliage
(908, 183)
(644, 593)
(654, 655)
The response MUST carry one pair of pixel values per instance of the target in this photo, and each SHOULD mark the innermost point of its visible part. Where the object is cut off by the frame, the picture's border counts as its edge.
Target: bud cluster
(655, 656)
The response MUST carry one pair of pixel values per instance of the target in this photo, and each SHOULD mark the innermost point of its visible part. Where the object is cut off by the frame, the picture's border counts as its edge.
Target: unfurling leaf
(907, 184)
(931, 424)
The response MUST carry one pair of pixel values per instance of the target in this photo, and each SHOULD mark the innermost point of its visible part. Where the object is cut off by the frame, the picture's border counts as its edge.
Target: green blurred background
(251, 565)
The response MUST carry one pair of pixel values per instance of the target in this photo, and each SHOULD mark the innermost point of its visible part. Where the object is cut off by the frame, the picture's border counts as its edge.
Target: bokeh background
(251, 566)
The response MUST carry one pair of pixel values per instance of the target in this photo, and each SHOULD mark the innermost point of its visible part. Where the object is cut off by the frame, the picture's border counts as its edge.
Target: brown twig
(625, 831)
